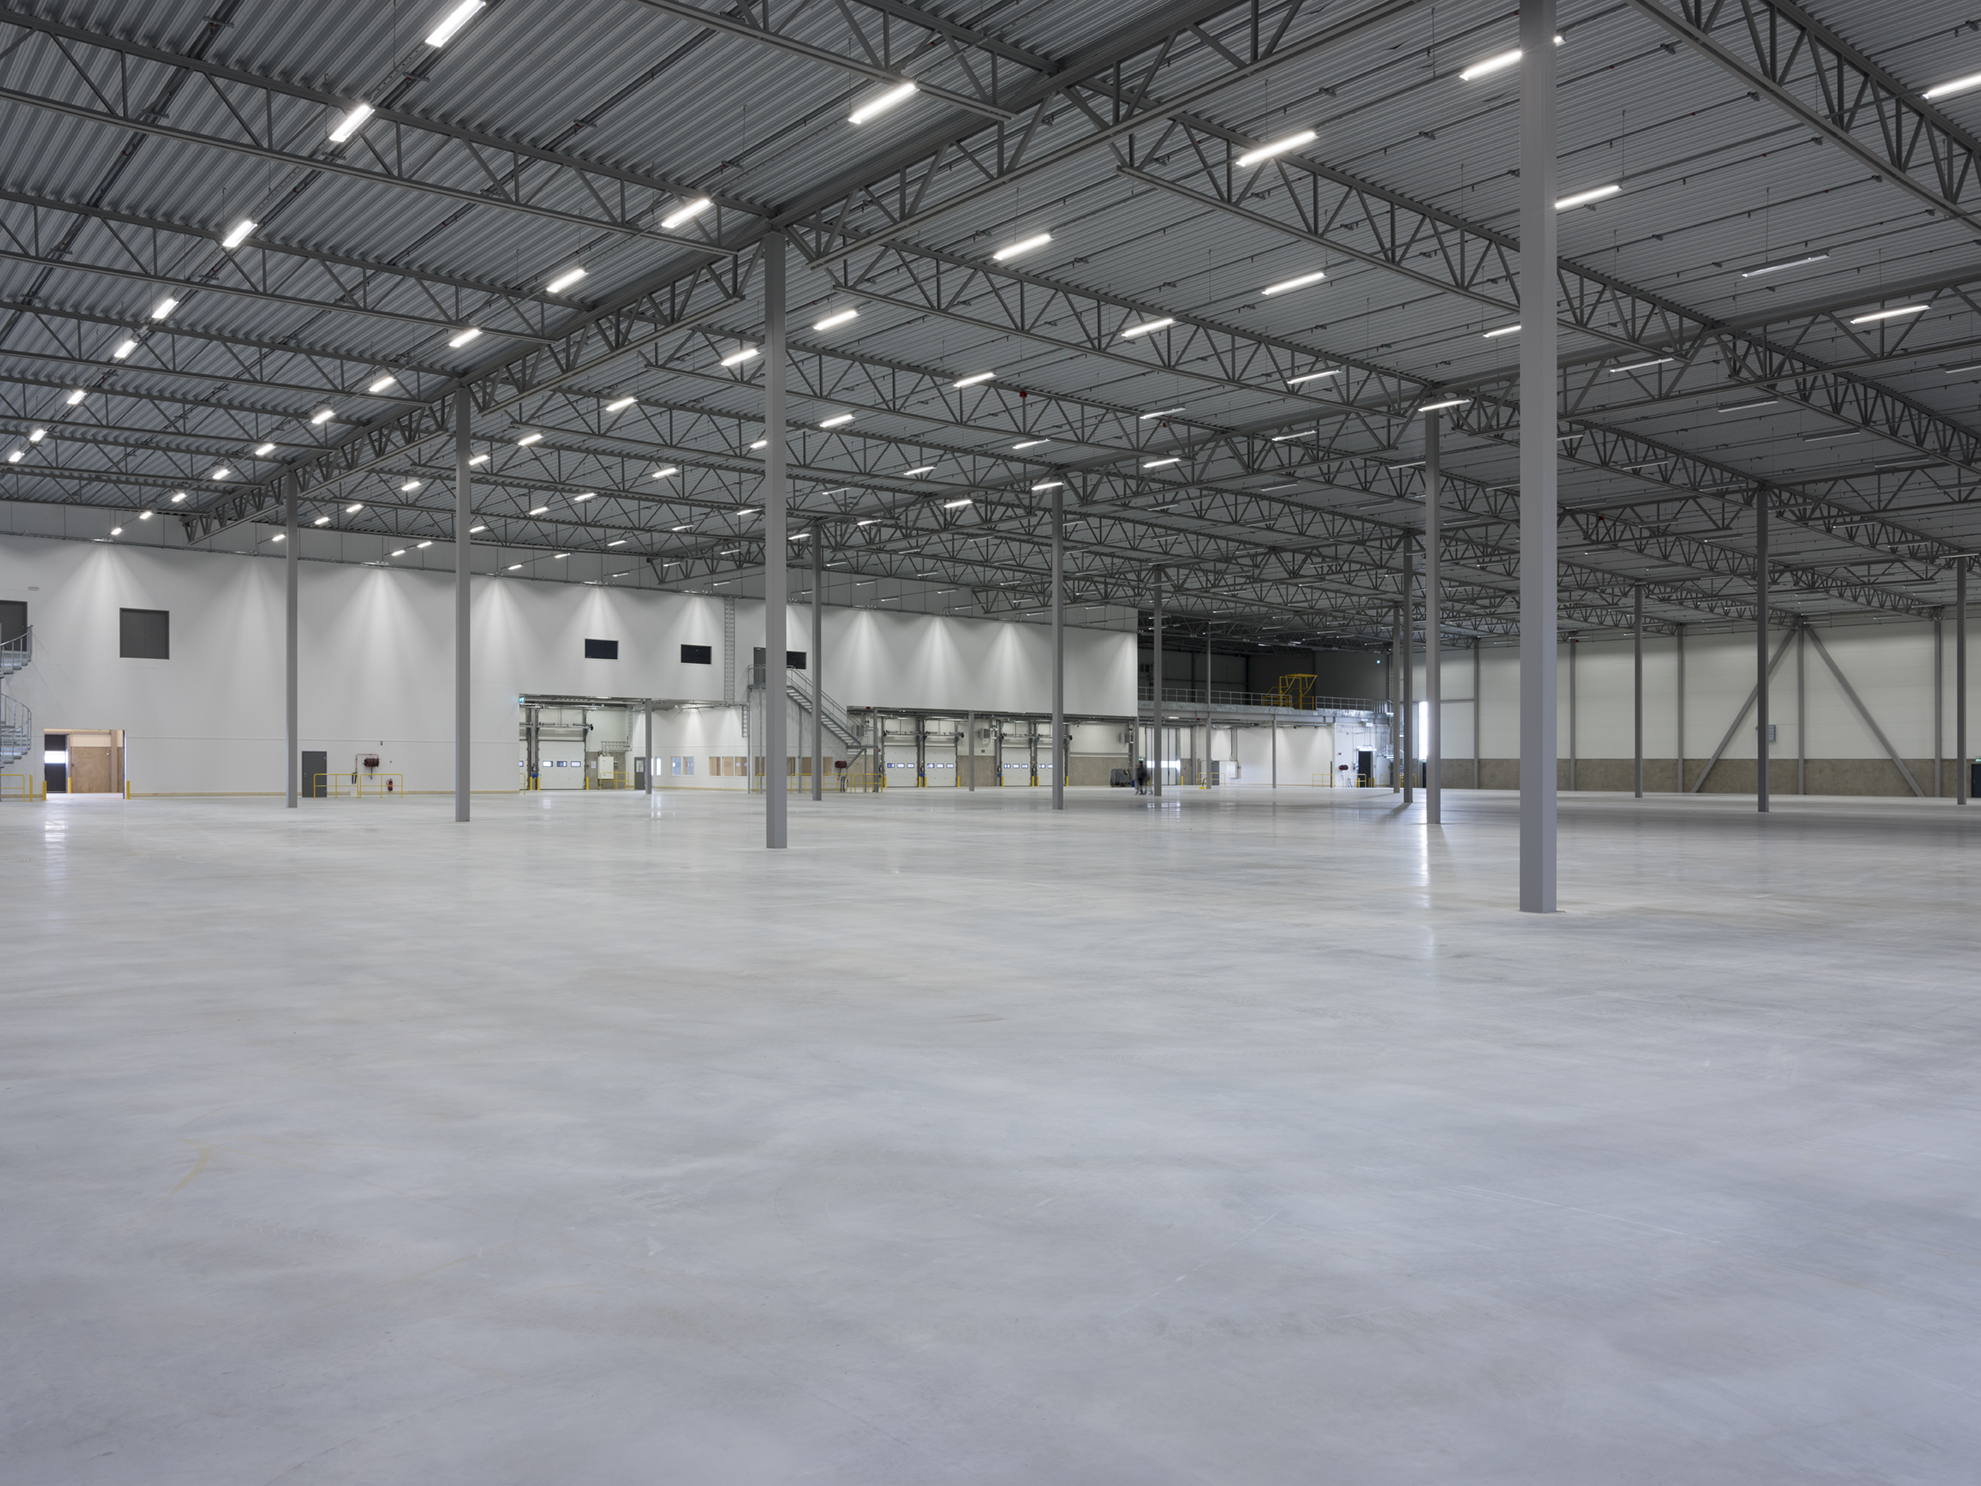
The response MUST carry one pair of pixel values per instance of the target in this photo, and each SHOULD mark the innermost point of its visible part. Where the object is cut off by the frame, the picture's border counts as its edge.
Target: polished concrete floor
(1236, 1139)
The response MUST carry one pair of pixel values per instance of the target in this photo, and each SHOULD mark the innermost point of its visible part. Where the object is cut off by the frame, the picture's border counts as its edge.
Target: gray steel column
(293, 562)
(1155, 691)
(1478, 707)
(1433, 650)
(1678, 633)
(1059, 751)
(464, 518)
(1539, 413)
(1574, 738)
(1397, 664)
(1761, 651)
(1963, 767)
(817, 661)
(775, 486)
(646, 742)
(1274, 725)
(1637, 681)
(1802, 712)
(970, 735)
(1939, 703)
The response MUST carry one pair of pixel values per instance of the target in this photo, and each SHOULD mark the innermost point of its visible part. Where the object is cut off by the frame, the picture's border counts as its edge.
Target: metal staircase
(832, 715)
(16, 722)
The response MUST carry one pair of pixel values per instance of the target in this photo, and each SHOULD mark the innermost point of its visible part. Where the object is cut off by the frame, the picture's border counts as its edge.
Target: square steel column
(1637, 680)
(646, 742)
(1802, 710)
(1478, 708)
(1433, 650)
(818, 663)
(1761, 651)
(1539, 413)
(1963, 767)
(970, 734)
(1397, 663)
(293, 563)
(1155, 690)
(1059, 750)
(464, 518)
(1407, 676)
(1678, 635)
(774, 490)
(1939, 703)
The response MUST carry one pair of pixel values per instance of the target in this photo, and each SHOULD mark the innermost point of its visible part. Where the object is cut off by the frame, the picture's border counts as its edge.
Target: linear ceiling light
(564, 281)
(220, 472)
(453, 21)
(617, 542)
(538, 510)
(1156, 464)
(1300, 282)
(1496, 63)
(238, 233)
(350, 123)
(124, 348)
(951, 505)
(1158, 413)
(666, 471)
(1314, 377)
(839, 317)
(354, 506)
(262, 451)
(1450, 402)
(382, 383)
(1741, 407)
(920, 469)
(177, 496)
(1276, 147)
(409, 486)
(836, 420)
(584, 496)
(1584, 198)
(398, 551)
(479, 459)
(1023, 245)
(880, 103)
(463, 336)
(321, 521)
(164, 307)
(1147, 327)
(1503, 330)
(1956, 85)
(424, 545)
(1768, 268)
(528, 439)
(1305, 433)
(739, 356)
(1031, 443)
(973, 379)
(1902, 310)
(37, 436)
(77, 396)
(1049, 485)
(323, 415)
(1643, 365)
(15, 456)
(686, 212)
(620, 402)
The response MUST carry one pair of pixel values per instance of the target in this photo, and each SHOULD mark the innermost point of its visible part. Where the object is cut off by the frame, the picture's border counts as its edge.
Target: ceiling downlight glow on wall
(1276, 147)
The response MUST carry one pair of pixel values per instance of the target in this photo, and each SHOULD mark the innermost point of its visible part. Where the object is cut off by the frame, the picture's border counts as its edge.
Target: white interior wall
(1889, 665)
(376, 658)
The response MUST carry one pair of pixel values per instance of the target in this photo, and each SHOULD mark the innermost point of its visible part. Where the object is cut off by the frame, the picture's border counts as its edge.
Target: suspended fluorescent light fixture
(974, 379)
(528, 439)
(740, 355)
(839, 317)
(1023, 245)
(1313, 377)
(584, 495)
(1955, 86)
(920, 469)
(37, 436)
(238, 233)
(453, 21)
(353, 507)
(1637, 366)
(620, 402)
(164, 307)
(564, 281)
(1156, 464)
(1741, 407)
(1276, 147)
(323, 415)
(538, 510)
(1049, 485)
(424, 545)
(951, 505)
(1899, 313)
(177, 496)
(124, 349)
(1584, 198)
(220, 472)
(478, 459)
(382, 383)
(880, 103)
(462, 336)
(1158, 413)
(1768, 268)
(409, 487)
(1031, 443)
(351, 123)
(836, 420)
(262, 451)
(665, 472)
(686, 212)
(1439, 407)
(15, 456)
(1301, 282)
(1147, 327)
(474, 529)
(1498, 62)
(321, 521)
(77, 396)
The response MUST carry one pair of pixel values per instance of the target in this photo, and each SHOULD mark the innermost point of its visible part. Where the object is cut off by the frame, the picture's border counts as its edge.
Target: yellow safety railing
(1292, 691)
(609, 779)
(23, 787)
(365, 787)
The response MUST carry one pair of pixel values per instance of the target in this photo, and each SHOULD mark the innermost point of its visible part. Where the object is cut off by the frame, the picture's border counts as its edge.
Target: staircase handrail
(18, 651)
